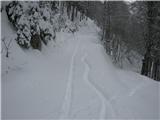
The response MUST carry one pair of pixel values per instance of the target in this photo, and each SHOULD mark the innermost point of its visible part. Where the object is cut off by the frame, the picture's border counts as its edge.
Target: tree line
(135, 25)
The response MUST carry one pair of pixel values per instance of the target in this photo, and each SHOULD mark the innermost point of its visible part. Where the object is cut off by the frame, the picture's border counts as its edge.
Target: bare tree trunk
(107, 29)
(7, 46)
(104, 21)
(68, 9)
(73, 9)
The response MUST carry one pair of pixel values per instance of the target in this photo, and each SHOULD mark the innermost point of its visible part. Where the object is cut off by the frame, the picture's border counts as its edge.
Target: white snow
(73, 79)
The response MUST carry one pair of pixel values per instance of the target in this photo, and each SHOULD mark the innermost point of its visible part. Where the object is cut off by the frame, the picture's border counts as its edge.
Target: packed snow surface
(74, 79)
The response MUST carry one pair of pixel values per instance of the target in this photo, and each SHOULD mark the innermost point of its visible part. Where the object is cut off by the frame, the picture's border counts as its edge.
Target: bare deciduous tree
(7, 46)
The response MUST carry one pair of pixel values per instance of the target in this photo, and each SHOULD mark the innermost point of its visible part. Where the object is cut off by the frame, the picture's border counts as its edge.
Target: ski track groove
(68, 95)
(105, 103)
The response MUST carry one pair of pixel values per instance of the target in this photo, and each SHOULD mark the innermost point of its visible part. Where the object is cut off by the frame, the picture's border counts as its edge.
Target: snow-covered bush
(41, 19)
(14, 12)
(32, 19)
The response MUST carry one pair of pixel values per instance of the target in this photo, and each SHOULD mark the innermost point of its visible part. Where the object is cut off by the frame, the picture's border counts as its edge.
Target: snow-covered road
(74, 80)
(77, 102)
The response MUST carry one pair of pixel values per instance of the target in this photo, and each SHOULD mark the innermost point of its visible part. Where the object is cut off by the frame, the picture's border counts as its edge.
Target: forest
(80, 59)
(124, 27)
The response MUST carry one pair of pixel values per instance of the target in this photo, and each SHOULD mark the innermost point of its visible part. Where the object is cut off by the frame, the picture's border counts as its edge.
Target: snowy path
(104, 102)
(68, 95)
(86, 78)
(66, 111)
(104, 107)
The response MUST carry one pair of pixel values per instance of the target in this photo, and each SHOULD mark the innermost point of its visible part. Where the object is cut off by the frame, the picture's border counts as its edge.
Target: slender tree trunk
(73, 9)
(104, 21)
(107, 29)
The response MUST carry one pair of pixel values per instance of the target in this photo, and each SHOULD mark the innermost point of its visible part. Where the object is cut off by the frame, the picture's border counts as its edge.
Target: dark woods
(136, 25)
(151, 61)
(124, 27)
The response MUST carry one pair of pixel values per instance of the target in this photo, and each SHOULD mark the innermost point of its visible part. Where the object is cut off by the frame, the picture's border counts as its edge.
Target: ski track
(68, 95)
(105, 103)
(66, 106)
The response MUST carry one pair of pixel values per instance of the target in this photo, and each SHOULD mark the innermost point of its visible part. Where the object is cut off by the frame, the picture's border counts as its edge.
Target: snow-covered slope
(73, 79)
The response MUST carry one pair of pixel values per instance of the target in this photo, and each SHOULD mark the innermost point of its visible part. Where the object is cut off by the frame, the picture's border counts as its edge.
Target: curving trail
(104, 102)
